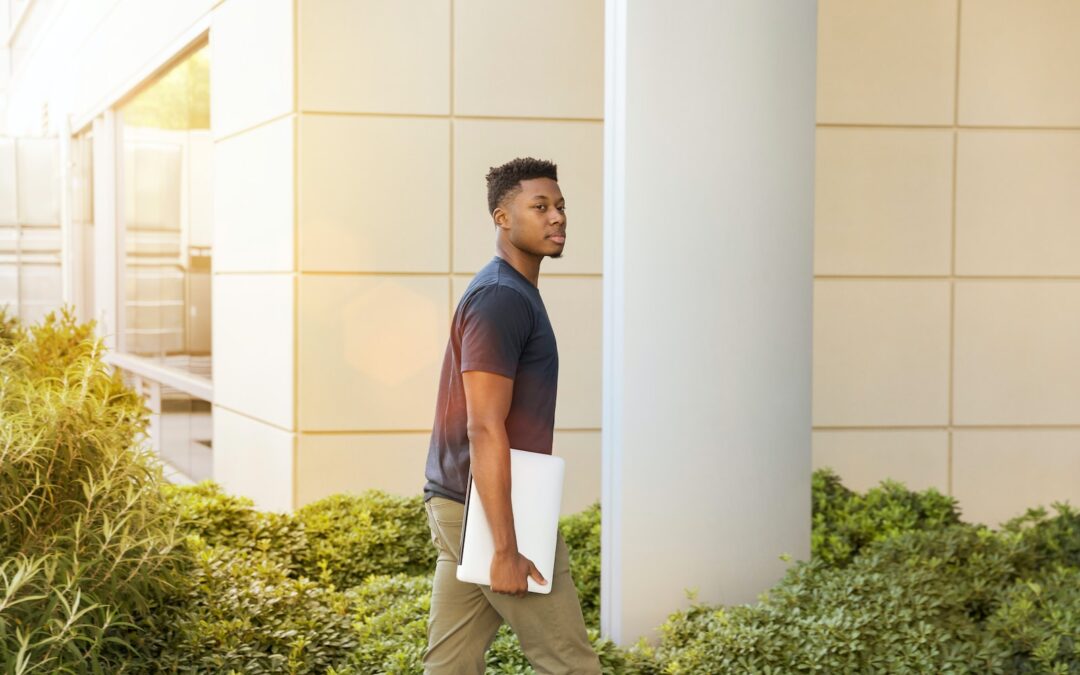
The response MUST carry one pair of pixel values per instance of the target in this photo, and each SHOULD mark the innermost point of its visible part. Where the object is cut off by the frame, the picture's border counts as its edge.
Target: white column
(708, 235)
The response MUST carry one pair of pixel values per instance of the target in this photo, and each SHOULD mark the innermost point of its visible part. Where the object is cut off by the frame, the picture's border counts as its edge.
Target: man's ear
(500, 217)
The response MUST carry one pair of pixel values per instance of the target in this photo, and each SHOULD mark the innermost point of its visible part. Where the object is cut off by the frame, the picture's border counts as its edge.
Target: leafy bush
(1055, 540)
(390, 614)
(907, 605)
(962, 598)
(242, 611)
(232, 522)
(354, 536)
(1038, 619)
(262, 594)
(581, 531)
(844, 521)
(85, 537)
(104, 567)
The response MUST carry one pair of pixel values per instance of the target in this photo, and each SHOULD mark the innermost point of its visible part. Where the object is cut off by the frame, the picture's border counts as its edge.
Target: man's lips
(558, 238)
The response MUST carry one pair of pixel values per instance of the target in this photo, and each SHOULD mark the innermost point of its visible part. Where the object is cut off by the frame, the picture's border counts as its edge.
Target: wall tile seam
(407, 431)
(972, 278)
(295, 460)
(448, 116)
(948, 427)
(367, 273)
(259, 125)
(952, 256)
(947, 127)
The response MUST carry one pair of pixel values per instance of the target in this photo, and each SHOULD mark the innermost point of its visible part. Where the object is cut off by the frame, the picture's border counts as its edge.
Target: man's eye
(562, 208)
(540, 206)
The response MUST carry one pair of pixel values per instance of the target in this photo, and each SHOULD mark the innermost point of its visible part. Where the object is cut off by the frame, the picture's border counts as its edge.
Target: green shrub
(231, 521)
(390, 618)
(844, 521)
(354, 536)
(907, 605)
(85, 537)
(104, 567)
(962, 598)
(239, 610)
(1039, 620)
(274, 592)
(581, 531)
(1055, 540)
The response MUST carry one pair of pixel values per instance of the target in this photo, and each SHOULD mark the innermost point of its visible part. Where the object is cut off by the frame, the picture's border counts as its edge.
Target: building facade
(271, 207)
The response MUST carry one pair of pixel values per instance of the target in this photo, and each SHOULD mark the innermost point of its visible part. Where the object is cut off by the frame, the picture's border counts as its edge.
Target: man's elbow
(481, 431)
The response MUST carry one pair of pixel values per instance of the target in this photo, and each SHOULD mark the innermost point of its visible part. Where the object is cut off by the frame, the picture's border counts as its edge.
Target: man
(497, 391)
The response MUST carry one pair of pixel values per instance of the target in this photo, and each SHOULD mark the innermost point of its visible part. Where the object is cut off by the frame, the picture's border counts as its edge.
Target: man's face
(535, 218)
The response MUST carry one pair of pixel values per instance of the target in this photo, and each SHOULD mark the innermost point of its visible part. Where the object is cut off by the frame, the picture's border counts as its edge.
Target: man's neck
(528, 265)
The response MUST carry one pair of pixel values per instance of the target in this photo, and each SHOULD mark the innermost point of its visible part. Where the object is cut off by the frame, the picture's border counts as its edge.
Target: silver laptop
(536, 486)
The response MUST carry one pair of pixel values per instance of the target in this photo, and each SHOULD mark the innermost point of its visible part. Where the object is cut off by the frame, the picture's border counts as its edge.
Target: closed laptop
(536, 486)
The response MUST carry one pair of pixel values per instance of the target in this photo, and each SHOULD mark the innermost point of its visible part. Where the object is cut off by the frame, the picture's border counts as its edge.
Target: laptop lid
(536, 486)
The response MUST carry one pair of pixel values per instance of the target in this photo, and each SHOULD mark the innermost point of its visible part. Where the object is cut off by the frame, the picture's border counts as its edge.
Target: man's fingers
(535, 574)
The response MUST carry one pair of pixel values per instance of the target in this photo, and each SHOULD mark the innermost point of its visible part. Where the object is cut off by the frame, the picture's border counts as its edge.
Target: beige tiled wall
(351, 144)
(947, 249)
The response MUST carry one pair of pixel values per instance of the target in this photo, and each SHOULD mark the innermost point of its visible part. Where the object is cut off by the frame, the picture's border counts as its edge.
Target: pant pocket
(445, 519)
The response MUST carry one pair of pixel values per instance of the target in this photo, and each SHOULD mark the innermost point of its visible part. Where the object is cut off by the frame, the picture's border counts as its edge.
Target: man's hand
(510, 574)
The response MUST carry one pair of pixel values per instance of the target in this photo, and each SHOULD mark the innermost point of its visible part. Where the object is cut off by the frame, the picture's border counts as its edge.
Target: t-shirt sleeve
(495, 325)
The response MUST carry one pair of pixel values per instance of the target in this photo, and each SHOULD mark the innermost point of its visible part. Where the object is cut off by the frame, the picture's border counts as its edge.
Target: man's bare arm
(487, 403)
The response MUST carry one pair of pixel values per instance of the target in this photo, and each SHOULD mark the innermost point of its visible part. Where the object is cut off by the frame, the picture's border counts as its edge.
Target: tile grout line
(493, 118)
(450, 218)
(940, 127)
(296, 258)
(952, 259)
(947, 427)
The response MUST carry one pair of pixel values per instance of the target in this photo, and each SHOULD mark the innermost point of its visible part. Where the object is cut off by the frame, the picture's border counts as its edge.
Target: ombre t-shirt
(500, 326)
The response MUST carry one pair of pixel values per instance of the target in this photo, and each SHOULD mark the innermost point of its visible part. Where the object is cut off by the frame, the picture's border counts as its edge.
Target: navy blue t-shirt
(500, 326)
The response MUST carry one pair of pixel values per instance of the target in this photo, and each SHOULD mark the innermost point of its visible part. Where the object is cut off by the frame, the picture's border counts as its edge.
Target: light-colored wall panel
(883, 201)
(374, 194)
(577, 150)
(375, 56)
(251, 44)
(575, 306)
(254, 219)
(1017, 360)
(330, 464)
(581, 484)
(8, 203)
(38, 181)
(886, 62)
(1017, 203)
(881, 352)
(253, 345)
(253, 459)
(527, 60)
(1000, 473)
(371, 350)
(919, 458)
(1019, 63)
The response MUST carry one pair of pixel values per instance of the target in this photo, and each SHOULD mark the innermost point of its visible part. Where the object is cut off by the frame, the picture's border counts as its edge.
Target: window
(30, 283)
(164, 212)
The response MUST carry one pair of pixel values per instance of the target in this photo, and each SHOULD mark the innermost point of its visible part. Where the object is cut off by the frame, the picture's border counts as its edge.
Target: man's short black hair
(505, 181)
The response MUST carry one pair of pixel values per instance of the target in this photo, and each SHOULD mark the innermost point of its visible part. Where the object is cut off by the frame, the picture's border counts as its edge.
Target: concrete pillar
(709, 171)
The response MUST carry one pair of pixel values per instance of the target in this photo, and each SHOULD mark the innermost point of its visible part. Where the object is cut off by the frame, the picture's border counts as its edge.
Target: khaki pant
(464, 617)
